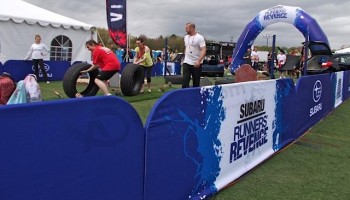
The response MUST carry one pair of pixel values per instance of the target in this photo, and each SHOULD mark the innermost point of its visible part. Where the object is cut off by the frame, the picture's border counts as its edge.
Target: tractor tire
(70, 80)
(131, 79)
(174, 79)
(224, 81)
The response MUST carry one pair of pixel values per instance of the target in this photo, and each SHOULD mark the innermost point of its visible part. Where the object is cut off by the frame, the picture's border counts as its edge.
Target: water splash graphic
(208, 150)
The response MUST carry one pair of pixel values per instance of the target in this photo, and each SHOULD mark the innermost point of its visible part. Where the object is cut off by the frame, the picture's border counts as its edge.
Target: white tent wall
(21, 21)
(15, 40)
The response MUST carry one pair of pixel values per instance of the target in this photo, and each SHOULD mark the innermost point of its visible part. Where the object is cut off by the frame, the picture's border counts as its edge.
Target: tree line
(175, 42)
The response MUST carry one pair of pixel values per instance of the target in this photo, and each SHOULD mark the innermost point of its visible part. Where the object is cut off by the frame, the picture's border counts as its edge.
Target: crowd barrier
(55, 70)
(195, 141)
(19, 69)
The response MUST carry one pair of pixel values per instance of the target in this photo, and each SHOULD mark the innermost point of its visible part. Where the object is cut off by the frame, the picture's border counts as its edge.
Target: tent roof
(20, 11)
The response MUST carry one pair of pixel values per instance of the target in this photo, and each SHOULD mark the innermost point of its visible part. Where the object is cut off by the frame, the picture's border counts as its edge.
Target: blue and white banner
(338, 81)
(225, 130)
(116, 20)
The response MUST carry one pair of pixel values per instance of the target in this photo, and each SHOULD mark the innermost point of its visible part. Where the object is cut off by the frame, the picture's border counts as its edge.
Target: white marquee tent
(21, 21)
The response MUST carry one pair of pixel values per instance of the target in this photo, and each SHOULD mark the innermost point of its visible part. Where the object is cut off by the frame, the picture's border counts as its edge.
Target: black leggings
(147, 72)
(40, 63)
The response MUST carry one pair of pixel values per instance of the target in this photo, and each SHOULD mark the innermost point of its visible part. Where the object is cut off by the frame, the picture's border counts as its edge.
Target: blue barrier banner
(1, 70)
(346, 85)
(314, 100)
(158, 68)
(201, 139)
(19, 69)
(88, 148)
(338, 81)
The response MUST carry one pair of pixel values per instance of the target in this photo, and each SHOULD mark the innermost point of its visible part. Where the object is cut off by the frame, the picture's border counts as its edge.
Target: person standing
(254, 56)
(37, 52)
(281, 59)
(195, 50)
(105, 59)
(143, 58)
(246, 57)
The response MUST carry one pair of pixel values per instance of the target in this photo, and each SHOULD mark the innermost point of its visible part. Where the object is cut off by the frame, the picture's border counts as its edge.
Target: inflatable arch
(306, 24)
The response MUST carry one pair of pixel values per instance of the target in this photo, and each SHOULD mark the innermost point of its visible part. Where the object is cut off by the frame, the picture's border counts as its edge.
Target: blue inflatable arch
(306, 24)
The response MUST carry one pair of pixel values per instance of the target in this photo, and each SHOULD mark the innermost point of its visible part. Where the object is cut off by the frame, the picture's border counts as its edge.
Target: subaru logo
(46, 66)
(317, 91)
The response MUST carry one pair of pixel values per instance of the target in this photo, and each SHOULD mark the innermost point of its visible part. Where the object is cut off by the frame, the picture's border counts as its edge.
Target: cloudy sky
(219, 20)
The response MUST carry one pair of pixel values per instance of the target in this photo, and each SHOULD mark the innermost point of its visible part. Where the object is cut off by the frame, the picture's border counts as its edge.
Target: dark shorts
(105, 75)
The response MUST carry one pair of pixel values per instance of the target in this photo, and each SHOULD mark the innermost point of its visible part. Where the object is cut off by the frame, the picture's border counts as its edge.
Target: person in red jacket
(106, 60)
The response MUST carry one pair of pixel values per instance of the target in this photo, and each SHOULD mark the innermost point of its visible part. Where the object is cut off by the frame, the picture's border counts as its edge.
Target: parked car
(213, 64)
(339, 61)
(320, 60)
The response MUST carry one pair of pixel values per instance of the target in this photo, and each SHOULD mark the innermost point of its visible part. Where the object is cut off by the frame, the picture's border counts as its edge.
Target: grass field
(142, 102)
(315, 167)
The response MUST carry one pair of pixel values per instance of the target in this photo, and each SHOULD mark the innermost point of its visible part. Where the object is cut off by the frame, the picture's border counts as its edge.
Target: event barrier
(158, 68)
(19, 69)
(314, 100)
(200, 140)
(55, 70)
(346, 86)
(338, 84)
(71, 149)
(195, 141)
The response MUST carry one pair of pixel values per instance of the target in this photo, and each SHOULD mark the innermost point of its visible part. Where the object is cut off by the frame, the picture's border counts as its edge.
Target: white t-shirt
(281, 59)
(193, 45)
(37, 51)
(254, 57)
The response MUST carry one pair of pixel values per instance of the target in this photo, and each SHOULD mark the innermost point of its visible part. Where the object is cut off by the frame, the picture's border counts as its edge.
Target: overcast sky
(219, 20)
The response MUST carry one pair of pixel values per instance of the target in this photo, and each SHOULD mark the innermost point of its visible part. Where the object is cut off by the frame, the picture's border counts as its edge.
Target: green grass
(315, 167)
(141, 102)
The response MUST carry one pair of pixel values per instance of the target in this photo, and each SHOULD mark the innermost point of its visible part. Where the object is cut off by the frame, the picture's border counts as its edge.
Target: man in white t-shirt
(195, 50)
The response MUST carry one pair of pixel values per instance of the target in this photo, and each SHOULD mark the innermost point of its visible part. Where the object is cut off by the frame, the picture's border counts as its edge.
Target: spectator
(254, 56)
(195, 50)
(37, 52)
(246, 57)
(127, 55)
(281, 59)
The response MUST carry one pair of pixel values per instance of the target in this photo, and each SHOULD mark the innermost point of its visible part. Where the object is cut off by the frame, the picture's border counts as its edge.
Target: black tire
(70, 80)
(131, 79)
(224, 81)
(174, 79)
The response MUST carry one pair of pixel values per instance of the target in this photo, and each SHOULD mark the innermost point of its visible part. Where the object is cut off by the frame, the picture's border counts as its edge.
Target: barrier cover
(201, 139)
(71, 149)
(346, 85)
(314, 100)
(338, 81)
(19, 69)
